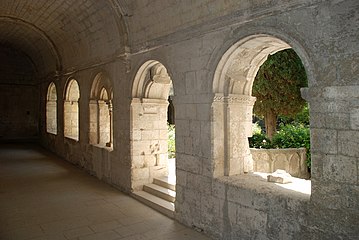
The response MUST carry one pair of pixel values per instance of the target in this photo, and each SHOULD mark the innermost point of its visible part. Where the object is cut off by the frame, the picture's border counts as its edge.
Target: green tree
(277, 88)
(300, 118)
(171, 140)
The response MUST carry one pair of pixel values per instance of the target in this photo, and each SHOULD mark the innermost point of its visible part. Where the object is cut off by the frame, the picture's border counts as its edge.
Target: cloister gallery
(92, 82)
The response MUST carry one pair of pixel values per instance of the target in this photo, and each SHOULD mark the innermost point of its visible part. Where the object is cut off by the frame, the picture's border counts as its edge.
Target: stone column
(51, 116)
(109, 104)
(239, 128)
(93, 118)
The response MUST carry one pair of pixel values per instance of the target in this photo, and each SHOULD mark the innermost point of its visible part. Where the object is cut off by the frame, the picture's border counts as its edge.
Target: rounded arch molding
(73, 83)
(101, 80)
(51, 91)
(152, 80)
(121, 10)
(267, 41)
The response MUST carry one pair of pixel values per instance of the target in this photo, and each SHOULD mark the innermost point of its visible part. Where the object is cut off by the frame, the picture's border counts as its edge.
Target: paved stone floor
(44, 197)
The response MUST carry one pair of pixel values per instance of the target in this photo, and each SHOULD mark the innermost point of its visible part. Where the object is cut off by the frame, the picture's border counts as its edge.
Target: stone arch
(104, 94)
(46, 58)
(150, 92)
(122, 11)
(72, 90)
(152, 81)
(101, 108)
(51, 109)
(71, 110)
(101, 80)
(232, 105)
(238, 66)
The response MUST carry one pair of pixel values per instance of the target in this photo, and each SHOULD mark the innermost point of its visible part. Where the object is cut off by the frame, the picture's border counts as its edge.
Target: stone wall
(243, 207)
(111, 165)
(19, 118)
(149, 141)
(161, 19)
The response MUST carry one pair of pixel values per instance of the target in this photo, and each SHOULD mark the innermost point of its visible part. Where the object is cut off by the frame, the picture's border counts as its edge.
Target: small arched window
(71, 110)
(51, 109)
(101, 127)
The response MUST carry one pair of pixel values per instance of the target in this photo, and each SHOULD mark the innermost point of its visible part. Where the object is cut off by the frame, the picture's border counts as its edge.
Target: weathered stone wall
(109, 165)
(151, 20)
(149, 141)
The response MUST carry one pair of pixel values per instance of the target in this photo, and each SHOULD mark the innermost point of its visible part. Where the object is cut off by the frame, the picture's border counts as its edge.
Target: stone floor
(44, 197)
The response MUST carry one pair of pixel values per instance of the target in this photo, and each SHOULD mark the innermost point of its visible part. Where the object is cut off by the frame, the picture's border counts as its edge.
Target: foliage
(256, 128)
(259, 140)
(289, 136)
(293, 136)
(171, 141)
(300, 118)
(277, 87)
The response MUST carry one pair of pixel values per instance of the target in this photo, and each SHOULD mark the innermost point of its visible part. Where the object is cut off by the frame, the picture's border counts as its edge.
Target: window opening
(71, 110)
(51, 109)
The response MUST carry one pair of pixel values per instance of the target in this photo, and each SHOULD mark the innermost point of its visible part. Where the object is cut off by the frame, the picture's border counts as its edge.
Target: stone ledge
(299, 189)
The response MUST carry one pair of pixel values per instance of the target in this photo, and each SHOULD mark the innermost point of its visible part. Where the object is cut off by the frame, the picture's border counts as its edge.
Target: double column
(235, 113)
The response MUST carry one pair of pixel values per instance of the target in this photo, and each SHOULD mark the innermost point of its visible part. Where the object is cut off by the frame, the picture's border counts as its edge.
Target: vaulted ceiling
(59, 35)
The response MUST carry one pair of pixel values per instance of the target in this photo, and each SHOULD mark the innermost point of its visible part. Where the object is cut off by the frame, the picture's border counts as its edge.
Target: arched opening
(171, 137)
(101, 120)
(51, 109)
(232, 107)
(149, 108)
(105, 120)
(281, 136)
(149, 133)
(71, 110)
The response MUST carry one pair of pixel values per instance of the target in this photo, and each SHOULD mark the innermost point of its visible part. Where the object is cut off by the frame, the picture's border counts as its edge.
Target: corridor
(44, 197)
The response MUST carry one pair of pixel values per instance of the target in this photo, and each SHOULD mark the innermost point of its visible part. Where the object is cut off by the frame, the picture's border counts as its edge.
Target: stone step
(161, 192)
(166, 182)
(165, 207)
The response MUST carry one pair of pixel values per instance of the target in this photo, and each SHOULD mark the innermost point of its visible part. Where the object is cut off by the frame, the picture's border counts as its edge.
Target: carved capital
(235, 98)
(244, 99)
